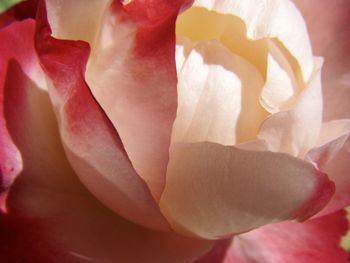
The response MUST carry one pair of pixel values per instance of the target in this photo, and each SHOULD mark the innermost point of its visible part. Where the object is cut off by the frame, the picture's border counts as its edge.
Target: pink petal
(10, 157)
(214, 190)
(332, 156)
(313, 241)
(51, 217)
(328, 23)
(21, 11)
(91, 142)
(131, 72)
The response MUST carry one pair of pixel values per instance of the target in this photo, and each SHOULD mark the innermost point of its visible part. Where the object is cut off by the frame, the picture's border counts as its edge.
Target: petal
(332, 156)
(281, 88)
(328, 23)
(217, 253)
(132, 74)
(76, 20)
(19, 34)
(313, 241)
(214, 190)
(51, 217)
(286, 131)
(21, 11)
(269, 19)
(90, 140)
(218, 96)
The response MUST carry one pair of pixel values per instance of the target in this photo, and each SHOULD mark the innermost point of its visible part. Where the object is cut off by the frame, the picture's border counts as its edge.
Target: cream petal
(296, 131)
(271, 19)
(281, 88)
(218, 95)
(214, 190)
(76, 20)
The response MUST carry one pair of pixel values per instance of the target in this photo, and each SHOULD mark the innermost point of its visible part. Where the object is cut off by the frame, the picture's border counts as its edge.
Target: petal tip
(324, 190)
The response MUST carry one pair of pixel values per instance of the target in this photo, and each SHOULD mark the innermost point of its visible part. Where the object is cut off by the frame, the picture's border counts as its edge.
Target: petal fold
(270, 19)
(213, 190)
(295, 131)
(332, 155)
(92, 144)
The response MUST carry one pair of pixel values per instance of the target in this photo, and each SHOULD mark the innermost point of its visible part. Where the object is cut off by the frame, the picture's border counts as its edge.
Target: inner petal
(218, 95)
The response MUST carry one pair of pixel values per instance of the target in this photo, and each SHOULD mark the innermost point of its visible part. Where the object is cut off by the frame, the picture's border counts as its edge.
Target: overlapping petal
(271, 19)
(295, 131)
(214, 190)
(51, 216)
(90, 140)
(332, 156)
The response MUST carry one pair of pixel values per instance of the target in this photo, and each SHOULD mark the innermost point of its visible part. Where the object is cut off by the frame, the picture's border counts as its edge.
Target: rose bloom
(169, 131)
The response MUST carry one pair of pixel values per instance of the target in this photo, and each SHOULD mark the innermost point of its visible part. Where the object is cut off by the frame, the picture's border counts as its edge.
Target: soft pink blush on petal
(332, 156)
(132, 74)
(91, 142)
(50, 216)
(328, 22)
(313, 241)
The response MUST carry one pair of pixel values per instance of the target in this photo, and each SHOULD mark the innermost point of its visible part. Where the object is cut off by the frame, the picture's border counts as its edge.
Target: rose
(133, 45)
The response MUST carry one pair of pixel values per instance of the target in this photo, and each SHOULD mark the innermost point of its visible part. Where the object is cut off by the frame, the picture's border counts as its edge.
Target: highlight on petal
(295, 131)
(218, 95)
(332, 155)
(270, 19)
(131, 73)
(213, 190)
(313, 241)
(92, 144)
(281, 88)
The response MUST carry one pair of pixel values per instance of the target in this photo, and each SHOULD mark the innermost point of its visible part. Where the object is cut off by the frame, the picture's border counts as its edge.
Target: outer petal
(10, 158)
(214, 190)
(131, 72)
(132, 75)
(313, 241)
(329, 26)
(269, 19)
(23, 10)
(51, 217)
(286, 131)
(90, 140)
(332, 156)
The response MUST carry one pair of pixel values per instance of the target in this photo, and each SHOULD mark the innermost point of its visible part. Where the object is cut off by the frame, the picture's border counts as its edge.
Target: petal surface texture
(91, 142)
(214, 190)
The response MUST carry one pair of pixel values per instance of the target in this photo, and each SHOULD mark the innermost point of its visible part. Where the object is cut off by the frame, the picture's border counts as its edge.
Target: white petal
(218, 96)
(270, 19)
